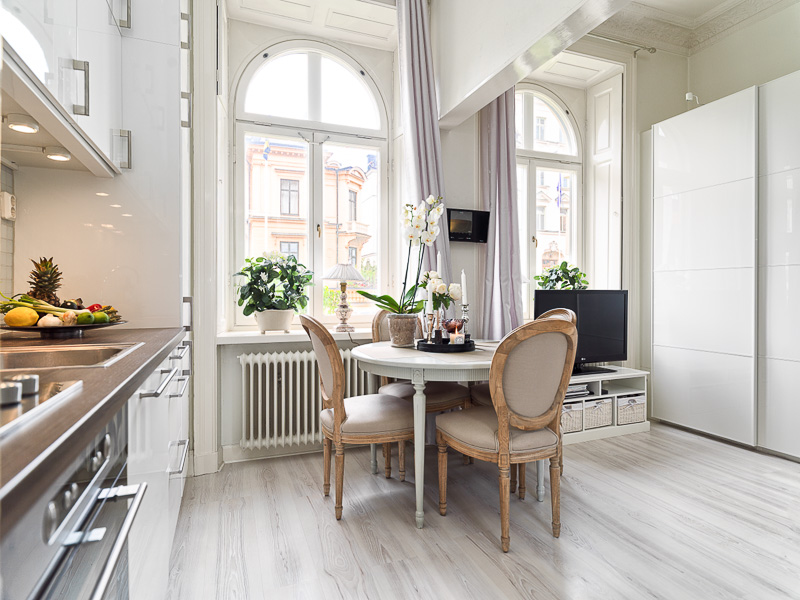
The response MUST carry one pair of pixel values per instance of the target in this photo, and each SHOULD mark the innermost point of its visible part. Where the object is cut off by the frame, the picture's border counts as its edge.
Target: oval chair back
(530, 374)
(331, 369)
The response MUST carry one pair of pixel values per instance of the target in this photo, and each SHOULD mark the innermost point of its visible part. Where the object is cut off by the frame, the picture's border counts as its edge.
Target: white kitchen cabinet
(100, 45)
(43, 34)
(151, 20)
(179, 430)
(150, 541)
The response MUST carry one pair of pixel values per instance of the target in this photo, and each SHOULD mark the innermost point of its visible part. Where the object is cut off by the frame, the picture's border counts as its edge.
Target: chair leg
(555, 495)
(387, 455)
(513, 478)
(442, 474)
(401, 453)
(521, 468)
(373, 458)
(339, 479)
(505, 493)
(561, 462)
(326, 467)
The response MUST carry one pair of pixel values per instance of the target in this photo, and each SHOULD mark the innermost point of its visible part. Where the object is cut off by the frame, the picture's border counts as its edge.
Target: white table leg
(419, 443)
(540, 469)
(373, 458)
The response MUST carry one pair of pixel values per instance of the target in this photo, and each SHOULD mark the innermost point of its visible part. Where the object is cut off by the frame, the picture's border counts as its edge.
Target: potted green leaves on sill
(273, 290)
(562, 277)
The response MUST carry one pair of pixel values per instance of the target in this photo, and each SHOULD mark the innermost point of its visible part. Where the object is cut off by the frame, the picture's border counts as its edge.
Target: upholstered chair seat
(439, 395)
(481, 394)
(372, 414)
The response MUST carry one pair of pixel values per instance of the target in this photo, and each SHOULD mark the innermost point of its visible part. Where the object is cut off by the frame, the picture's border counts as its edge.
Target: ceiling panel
(281, 8)
(360, 25)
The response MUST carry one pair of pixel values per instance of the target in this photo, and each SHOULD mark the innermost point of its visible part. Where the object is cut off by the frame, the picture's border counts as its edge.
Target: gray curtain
(423, 148)
(502, 291)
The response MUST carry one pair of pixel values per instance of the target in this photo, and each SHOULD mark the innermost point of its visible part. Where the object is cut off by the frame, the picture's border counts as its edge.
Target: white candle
(463, 288)
(439, 264)
(429, 305)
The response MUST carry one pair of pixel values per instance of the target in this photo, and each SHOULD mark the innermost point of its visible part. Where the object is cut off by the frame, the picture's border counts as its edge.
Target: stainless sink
(29, 358)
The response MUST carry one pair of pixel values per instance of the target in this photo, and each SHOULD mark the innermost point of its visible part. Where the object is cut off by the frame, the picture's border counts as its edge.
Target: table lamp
(343, 273)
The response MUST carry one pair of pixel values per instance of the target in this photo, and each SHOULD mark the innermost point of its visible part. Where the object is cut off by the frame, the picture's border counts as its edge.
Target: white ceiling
(40, 139)
(686, 13)
(366, 22)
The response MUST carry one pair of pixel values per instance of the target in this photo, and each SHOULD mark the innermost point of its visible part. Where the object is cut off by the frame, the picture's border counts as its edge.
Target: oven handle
(137, 492)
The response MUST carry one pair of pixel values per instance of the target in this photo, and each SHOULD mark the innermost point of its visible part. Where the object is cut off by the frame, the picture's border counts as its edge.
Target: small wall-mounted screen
(468, 225)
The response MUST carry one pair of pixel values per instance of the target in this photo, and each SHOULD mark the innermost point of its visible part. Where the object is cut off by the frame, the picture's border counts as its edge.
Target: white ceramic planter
(274, 320)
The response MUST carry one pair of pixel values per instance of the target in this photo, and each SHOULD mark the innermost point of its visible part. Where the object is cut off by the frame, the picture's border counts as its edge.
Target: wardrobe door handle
(126, 22)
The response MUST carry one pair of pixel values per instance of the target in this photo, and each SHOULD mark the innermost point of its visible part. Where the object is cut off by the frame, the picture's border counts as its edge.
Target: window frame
(534, 160)
(352, 199)
(315, 133)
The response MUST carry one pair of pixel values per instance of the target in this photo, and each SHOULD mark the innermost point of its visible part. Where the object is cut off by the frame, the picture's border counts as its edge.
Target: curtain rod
(638, 47)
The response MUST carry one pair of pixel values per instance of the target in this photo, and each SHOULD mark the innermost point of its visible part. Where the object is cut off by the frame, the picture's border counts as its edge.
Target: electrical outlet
(8, 206)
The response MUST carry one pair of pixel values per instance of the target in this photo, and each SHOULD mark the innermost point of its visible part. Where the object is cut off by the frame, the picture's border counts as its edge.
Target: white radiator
(281, 398)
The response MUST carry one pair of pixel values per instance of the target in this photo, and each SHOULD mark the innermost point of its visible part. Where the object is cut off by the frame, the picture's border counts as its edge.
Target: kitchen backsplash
(7, 238)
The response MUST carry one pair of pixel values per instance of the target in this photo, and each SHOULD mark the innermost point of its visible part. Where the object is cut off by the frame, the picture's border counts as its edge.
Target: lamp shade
(343, 272)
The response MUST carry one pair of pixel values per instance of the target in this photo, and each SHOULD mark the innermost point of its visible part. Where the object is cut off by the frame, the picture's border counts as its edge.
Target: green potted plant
(273, 289)
(562, 277)
(419, 231)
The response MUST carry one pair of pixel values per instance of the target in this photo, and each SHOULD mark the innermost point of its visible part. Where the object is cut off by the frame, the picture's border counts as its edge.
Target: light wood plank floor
(665, 514)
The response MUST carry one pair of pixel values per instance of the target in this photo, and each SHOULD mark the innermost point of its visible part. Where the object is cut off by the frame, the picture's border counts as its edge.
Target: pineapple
(45, 280)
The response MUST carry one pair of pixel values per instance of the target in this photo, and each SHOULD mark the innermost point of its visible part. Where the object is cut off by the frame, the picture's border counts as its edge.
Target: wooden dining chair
(439, 395)
(528, 379)
(480, 395)
(368, 419)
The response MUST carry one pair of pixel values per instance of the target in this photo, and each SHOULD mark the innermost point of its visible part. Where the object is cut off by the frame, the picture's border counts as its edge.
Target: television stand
(584, 370)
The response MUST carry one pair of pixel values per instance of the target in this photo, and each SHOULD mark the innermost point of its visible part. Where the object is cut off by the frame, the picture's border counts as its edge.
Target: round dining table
(381, 358)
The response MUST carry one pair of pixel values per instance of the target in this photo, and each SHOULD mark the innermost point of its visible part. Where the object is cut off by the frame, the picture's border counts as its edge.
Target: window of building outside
(290, 249)
(316, 174)
(290, 197)
(548, 175)
(353, 205)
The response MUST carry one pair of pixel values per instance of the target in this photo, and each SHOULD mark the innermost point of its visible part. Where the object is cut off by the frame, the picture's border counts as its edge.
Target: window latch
(319, 231)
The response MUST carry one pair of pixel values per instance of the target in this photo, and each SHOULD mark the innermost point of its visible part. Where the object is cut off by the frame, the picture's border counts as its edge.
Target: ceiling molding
(647, 26)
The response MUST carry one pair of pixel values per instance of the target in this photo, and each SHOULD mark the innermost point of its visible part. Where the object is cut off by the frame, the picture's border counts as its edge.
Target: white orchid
(430, 199)
(455, 291)
(428, 237)
(418, 224)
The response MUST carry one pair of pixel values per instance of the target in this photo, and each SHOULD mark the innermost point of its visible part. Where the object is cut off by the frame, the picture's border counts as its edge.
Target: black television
(468, 225)
(602, 323)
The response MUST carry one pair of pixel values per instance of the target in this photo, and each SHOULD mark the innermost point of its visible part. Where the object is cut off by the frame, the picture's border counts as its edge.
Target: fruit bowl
(63, 331)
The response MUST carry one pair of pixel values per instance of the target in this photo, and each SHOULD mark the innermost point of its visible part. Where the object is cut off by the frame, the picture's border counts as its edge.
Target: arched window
(549, 175)
(310, 150)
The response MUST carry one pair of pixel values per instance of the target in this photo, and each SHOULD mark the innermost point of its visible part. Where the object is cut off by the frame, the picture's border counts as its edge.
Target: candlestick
(464, 288)
(429, 320)
(464, 317)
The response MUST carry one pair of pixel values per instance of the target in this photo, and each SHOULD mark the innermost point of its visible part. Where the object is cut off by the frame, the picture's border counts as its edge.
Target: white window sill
(230, 338)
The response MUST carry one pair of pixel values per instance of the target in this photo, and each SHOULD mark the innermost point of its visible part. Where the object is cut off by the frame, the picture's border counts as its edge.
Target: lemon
(21, 317)
(86, 318)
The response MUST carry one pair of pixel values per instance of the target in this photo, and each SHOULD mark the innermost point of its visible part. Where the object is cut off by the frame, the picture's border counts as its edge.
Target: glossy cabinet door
(179, 430)
(100, 45)
(43, 33)
(149, 542)
(704, 268)
(151, 20)
(779, 270)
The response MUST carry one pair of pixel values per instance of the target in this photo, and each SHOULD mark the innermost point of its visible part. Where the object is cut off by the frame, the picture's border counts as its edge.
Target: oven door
(94, 563)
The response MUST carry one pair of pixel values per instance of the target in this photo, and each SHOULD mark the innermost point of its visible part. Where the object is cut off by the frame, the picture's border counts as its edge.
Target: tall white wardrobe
(726, 267)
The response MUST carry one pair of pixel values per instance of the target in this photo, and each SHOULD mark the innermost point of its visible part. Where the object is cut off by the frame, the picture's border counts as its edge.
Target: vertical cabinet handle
(126, 22)
(187, 18)
(188, 300)
(82, 109)
(128, 162)
(188, 97)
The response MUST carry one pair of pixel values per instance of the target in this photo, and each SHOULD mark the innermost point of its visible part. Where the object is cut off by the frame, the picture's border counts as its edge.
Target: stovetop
(50, 394)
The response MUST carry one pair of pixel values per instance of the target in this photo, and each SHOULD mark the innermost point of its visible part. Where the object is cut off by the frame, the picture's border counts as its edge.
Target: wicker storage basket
(598, 413)
(572, 417)
(630, 409)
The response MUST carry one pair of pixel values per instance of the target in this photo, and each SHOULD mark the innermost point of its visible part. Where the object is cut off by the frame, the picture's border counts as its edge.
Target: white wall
(661, 85)
(481, 49)
(757, 53)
